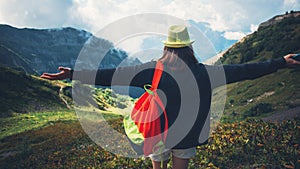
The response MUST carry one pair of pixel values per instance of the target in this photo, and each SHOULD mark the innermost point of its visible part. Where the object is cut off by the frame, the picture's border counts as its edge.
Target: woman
(181, 69)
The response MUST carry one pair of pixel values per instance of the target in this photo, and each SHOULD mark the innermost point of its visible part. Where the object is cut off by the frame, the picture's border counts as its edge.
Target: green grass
(279, 90)
(252, 144)
(246, 144)
(23, 93)
(19, 123)
(25, 122)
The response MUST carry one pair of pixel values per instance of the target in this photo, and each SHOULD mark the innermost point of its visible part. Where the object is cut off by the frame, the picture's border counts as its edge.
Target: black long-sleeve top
(186, 93)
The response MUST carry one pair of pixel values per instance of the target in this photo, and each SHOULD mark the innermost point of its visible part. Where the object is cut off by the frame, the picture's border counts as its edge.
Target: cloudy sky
(234, 18)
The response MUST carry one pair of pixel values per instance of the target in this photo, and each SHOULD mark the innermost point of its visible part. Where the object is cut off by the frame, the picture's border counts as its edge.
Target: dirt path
(283, 115)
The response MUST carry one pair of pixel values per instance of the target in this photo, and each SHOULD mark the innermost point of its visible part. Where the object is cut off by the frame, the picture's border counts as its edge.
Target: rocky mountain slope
(37, 51)
(272, 93)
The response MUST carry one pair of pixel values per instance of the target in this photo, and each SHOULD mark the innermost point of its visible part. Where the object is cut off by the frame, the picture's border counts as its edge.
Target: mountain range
(42, 50)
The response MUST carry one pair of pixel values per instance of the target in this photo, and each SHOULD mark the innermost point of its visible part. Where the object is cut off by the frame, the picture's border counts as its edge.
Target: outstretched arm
(238, 72)
(138, 75)
(65, 73)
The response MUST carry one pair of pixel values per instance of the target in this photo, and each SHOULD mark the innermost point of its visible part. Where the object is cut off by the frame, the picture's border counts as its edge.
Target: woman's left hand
(290, 61)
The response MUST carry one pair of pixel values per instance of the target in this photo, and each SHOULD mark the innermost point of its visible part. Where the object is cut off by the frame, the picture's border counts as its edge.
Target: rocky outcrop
(279, 18)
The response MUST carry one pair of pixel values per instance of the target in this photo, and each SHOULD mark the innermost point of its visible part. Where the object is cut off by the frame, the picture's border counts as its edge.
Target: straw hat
(178, 37)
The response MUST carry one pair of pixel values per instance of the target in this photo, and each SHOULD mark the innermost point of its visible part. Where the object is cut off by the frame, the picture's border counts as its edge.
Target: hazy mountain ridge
(43, 50)
(217, 38)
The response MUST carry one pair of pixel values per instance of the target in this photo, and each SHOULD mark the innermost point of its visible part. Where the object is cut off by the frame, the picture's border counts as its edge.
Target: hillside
(272, 41)
(43, 50)
(272, 93)
(23, 93)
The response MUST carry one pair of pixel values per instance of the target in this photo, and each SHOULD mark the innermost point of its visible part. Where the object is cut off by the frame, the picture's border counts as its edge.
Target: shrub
(259, 109)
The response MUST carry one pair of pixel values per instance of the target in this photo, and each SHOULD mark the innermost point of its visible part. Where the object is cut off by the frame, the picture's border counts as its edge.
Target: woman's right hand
(64, 73)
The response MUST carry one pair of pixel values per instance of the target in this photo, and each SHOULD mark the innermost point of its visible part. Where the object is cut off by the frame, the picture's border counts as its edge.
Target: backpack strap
(156, 78)
(157, 74)
(155, 81)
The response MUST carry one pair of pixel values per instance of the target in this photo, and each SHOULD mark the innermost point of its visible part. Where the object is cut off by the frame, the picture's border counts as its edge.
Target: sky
(234, 18)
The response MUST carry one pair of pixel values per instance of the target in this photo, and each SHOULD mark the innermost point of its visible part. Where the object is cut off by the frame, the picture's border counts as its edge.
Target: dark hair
(175, 58)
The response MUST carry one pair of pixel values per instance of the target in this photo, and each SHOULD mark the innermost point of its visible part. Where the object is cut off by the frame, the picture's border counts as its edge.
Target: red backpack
(143, 125)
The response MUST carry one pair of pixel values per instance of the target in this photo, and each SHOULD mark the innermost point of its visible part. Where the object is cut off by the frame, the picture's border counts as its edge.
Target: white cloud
(233, 17)
(234, 35)
(132, 45)
(253, 28)
(97, 14)
(31, 13)
(230, 15)
(290, 3)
